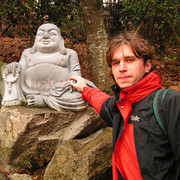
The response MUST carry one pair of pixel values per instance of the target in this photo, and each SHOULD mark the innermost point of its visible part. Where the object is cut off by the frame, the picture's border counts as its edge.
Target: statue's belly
(43, 76)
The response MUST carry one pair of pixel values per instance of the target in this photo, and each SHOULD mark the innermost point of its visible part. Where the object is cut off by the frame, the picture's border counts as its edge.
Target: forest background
(158, 21)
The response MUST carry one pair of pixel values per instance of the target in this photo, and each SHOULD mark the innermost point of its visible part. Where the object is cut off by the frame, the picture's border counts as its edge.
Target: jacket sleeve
(171, 110)
(101, 102)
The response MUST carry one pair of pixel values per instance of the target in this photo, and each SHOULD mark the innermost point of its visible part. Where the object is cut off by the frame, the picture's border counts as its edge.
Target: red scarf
(131, 95)
(135, 93)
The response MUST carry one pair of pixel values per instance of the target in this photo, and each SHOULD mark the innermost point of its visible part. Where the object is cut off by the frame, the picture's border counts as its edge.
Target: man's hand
(77, 82)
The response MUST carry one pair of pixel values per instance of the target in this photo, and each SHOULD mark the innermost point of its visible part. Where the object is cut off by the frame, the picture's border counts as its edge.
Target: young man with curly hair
(141, 150)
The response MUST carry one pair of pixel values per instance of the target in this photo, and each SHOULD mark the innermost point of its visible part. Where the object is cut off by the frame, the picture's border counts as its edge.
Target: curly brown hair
(140, 46)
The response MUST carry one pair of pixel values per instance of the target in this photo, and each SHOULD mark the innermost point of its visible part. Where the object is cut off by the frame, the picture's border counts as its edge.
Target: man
(141, 150)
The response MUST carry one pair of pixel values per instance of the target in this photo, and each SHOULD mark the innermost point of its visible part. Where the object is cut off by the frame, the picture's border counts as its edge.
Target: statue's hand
(30, 100)
(35, 100)
(71, 87)
(12, 68)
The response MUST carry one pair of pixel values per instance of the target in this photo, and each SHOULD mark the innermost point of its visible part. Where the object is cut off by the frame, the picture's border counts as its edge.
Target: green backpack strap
(157, 107)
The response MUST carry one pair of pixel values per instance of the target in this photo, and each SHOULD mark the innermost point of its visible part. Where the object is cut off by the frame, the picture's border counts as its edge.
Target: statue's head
(48, 39)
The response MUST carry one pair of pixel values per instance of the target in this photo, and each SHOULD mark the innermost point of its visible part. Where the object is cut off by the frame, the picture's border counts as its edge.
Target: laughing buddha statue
(41, 78)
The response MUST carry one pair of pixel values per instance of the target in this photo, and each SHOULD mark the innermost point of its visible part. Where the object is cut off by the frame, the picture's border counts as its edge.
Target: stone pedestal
(30, 136)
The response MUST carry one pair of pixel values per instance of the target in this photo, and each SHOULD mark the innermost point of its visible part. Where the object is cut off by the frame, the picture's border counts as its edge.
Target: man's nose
(122, 66)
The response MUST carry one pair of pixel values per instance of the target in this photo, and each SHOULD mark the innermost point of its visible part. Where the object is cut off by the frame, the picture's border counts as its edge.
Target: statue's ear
(33, 49)
(62, 48)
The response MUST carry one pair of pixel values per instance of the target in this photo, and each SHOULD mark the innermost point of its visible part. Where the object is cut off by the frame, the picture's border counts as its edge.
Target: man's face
(47, 38)
(127, 68)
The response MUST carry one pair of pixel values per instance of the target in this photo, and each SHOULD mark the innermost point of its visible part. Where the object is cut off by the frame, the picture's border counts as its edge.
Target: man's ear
(148, 65)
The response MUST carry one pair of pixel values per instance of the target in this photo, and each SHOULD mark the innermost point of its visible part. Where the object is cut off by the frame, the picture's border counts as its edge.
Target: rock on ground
(82, 159)
(17, 176)
(29, 136)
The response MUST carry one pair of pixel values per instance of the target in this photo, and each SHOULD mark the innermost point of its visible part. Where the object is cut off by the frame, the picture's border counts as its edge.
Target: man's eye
(115, 63)
(130, 60)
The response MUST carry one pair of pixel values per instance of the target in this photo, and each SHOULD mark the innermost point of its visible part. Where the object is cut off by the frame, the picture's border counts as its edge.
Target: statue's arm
(23, 60)
(74, 63)
(15, 67)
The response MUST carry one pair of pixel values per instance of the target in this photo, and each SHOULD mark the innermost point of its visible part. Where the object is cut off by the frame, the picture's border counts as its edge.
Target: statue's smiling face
(47, 38)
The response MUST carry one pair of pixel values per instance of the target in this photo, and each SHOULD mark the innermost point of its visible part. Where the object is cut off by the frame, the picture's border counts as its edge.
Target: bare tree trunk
(97, 42)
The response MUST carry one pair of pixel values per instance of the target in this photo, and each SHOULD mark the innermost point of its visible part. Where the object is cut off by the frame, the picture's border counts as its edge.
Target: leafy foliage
(28, 15)
(66, 14)
(155, 19)
(16, 13)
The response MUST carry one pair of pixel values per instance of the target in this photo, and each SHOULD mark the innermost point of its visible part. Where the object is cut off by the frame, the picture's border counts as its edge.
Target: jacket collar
(116, 89)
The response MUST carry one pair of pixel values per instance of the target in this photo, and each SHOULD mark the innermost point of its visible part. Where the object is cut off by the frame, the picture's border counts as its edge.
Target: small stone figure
(41, 77)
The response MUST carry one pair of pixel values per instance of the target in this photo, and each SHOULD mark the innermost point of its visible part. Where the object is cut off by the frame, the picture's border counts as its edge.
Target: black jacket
(158, 155)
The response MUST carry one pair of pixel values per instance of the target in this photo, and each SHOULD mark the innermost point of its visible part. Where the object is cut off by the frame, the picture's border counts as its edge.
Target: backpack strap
(157, 107)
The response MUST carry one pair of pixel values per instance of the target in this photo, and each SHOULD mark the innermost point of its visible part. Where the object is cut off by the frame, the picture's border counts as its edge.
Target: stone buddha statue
(41, 77)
